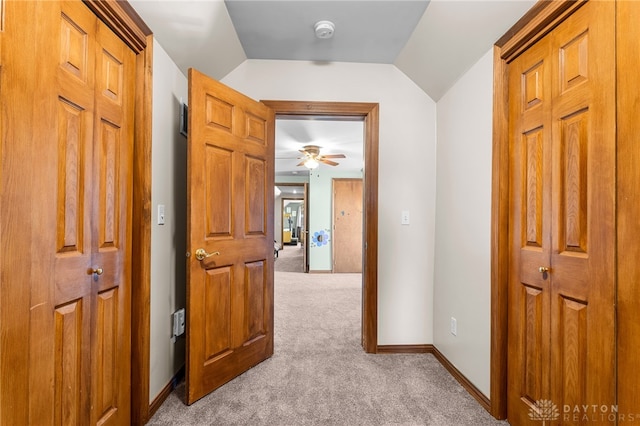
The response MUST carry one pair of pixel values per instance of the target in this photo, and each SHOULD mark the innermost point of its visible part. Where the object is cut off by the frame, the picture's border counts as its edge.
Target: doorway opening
(291, 223)
(368, 113)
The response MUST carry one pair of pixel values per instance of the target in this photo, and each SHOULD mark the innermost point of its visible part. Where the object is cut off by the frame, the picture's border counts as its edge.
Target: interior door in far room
(347, 225)
(230, 180)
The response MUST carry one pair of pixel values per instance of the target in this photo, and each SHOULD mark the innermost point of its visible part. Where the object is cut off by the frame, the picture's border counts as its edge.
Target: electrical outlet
(179, 322)
(454, 326)
(405, 217)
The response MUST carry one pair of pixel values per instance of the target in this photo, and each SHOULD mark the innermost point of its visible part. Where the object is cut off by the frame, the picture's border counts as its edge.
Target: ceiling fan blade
(333, 156)
(329, 162)
(301, 163)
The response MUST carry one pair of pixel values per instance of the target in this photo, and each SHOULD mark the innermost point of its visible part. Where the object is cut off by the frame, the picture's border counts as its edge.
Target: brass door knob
(97, 271)
(201, 254)
(543, 269)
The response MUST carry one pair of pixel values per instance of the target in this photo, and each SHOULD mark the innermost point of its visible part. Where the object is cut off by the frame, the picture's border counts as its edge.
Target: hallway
(319, 373)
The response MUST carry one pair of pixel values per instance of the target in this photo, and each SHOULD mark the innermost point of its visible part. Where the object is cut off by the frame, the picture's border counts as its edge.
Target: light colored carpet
(289, 259)
(319, 374)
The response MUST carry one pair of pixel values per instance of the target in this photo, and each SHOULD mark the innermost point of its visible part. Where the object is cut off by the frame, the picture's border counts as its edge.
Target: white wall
(463, 223)
(168, 242)
(406, 174)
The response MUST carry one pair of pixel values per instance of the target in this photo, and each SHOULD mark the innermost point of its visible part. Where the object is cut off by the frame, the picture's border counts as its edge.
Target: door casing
(370, 113)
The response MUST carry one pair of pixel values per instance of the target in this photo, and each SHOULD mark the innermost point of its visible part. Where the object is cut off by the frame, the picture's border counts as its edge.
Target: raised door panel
(573, 149)
(534, 335)
(256, 129)
(217, 193)
(109, 143)
(533, 186)
(71, 387)
(572, 351)
(216, 310)
(255, 197)
(255, 322)
(106, 385)
(72, 168)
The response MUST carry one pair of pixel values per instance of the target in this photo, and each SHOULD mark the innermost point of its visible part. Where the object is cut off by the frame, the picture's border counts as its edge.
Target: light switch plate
(160, 214)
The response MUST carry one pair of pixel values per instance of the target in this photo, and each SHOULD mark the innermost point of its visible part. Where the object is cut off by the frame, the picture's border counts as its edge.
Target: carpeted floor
(289, 259)
(319, 374)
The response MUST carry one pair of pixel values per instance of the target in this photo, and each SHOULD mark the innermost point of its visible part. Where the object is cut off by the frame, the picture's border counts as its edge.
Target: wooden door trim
(370, 113)
(628, 208)
(535, 24)
(124, 21)
(141, 242)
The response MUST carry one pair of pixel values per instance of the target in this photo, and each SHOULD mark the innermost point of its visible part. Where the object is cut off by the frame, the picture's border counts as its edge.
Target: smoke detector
(324, 29)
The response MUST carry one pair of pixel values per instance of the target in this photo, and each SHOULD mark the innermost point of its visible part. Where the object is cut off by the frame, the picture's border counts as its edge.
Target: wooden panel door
(347, 225)
(69, 171)
(230, 234)
(92, 290)
(562, 278)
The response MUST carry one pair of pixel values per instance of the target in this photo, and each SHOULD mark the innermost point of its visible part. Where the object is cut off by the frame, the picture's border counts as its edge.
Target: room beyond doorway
(289, 260)
(369, 112)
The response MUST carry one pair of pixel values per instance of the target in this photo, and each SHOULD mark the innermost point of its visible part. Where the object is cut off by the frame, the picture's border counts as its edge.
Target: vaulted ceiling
(433, 42)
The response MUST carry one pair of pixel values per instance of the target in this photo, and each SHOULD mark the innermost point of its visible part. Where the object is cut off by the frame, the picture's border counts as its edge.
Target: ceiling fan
(312, 157)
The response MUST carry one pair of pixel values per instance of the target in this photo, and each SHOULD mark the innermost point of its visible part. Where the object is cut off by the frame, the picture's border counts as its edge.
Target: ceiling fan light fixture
(311, 163)
(324, 29)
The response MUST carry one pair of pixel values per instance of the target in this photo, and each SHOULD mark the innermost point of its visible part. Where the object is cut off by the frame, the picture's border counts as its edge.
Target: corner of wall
(462, 275)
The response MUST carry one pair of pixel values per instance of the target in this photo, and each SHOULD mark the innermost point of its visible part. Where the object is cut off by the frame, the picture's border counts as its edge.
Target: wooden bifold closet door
(562, 142)
(68, 87)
